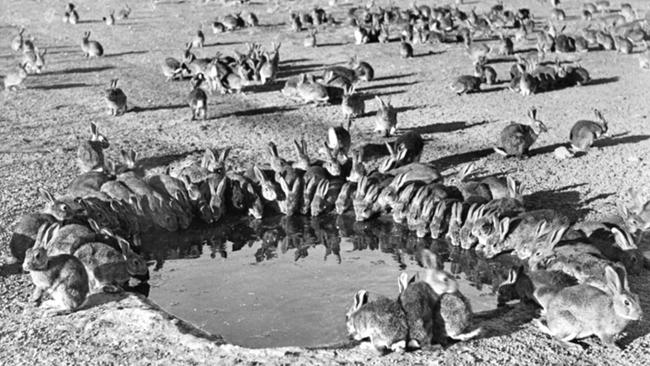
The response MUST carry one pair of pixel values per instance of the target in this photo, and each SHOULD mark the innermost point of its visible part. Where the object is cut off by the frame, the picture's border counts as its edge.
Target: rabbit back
(418, 301)
(453, 315)
(104, 264)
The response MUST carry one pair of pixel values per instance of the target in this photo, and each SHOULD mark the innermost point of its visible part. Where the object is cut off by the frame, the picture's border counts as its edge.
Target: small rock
(633, 159)
(562, 153)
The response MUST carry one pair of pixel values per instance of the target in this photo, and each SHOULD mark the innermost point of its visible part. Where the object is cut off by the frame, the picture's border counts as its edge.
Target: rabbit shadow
(505, 320)
(613, 141)
(79, 70)
(461, 158)
(566, 200)
(138, 109)
(61, 86)
(299, 69)
(260, 111)
(601, 81)
(392, 77)
(164, 160)
(444, 127)
(11, 269)
(264, 88)
(368, 96)
(390, 85)
(126, 53)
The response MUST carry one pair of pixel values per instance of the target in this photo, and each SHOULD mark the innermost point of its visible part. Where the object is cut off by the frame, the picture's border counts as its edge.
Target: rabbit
(352, 104)
(173, 69)
(124, 13)
(62, 276)
(90, 153)
(197, 199)
(452, 312)
(487, 74)
(62, 208)
(418, 300)
(310, 39)
(362, 69)
(34, 61)
(406, 149)
(513, 233)
(251, 20)
(584, 132)
(404, 198)
(14, 79)
(66, 239)
(89, 184)
(171, 188)
(197, 99)
(338, 139)
(516, 138)
(381, 320)
(115, 99)
(365, 198)
(110, 19)
(386, 119)
(466, 84)
(578, 259)
(136, 266)
(217, 197)
(534, 286)
(290, 204)
(325, 196)
(24, 234)
(475, 218)
(344, 199)
(91, 48)
(106, 267)
(423, 219)
(71, 15)
(475, 50)
(415, 208)
(311, 91)
(580, 311)
(441, 221)
(199, 38)
(405, 49)
(358, 168)
(360, 35)
(17, 41)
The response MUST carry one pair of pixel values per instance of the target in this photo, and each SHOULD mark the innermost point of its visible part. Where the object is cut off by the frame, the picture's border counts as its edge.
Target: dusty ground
(40, 125)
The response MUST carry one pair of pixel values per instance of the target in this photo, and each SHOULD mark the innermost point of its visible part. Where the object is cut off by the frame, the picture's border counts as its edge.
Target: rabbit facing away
(90, 153)
(14, 79)
(581, 311)
(418, 302)
(382, 321)
(453, 312)
(197, 99)
(62, 276)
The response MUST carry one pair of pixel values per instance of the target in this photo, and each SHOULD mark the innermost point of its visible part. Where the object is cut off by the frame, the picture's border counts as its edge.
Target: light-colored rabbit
(14, 80)
(91, 48)
(386, 119)
(580, 311)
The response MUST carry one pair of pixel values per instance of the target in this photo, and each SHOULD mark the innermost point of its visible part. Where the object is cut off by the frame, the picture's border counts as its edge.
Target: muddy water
(289, 281)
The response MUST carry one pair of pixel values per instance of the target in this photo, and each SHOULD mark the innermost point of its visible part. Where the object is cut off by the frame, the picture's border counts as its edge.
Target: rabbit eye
(64, 207)
(626, 302)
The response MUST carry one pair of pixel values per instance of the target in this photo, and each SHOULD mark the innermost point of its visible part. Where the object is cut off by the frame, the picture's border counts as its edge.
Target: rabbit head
(303, 162)
(343, 201)
(440, 281)
(135, 264)
(217, 196)
(331, 162)
(455, 224)
(626, 305)
(517, 286)
(291, 203)
(439, 220)
(319, 204)
(268, 188)
(36, 258)
(358, 167)
(60, 209)
(423, 222)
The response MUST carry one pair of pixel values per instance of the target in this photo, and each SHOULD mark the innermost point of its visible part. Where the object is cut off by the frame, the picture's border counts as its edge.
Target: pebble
(562, 153)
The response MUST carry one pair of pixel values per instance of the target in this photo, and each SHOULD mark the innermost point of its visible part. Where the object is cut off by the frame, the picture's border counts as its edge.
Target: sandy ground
(40, 127)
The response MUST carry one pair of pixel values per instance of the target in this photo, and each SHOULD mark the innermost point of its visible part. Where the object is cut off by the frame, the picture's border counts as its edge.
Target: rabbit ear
(224, 154)
(429, 260)
(208, 158)
(360, 299)
(283, 184)
(466, 170)
(391, 152)
(512, 278)
(221, 187)
(623, 239)
(556, 236)
(613, 280)
(401, 153)
(295, 188)
(94, 225)
(46, 195)
(402, 281)
(512, 186)
(504, 226)
(259, 174)
(540, 230)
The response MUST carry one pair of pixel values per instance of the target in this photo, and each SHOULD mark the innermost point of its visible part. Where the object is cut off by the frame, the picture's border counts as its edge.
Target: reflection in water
(298, 235)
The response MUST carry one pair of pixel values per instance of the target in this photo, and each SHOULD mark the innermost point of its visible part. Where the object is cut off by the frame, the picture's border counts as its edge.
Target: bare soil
(40, 127)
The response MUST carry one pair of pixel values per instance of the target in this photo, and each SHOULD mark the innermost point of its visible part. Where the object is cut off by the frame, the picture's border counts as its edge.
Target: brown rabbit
(90, 153)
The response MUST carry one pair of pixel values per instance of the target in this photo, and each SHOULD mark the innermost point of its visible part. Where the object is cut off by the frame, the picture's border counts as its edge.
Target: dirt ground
(40, 127)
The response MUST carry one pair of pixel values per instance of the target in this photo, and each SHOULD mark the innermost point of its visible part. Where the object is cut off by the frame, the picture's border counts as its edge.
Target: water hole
(288, 281)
